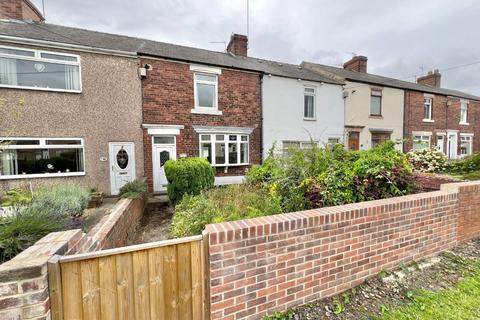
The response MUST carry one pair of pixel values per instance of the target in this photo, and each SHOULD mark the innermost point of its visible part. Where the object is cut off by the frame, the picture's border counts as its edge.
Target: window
(225, 149)
(465, 145)
(421, 141)
(334, 140)
(427, 108)
(205, 91)
(463, 112)
(298, 145)
(28, 157)
(34, 69)
(376, 103)
(379, 138)
(309, 104)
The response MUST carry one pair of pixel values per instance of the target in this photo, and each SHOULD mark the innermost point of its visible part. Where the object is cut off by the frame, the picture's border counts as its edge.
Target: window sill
(39, 89)
(206, 111)
(375, 116)
(309, 119)
(230, 165)
(428, 120)
(464, 123)
(42, 175)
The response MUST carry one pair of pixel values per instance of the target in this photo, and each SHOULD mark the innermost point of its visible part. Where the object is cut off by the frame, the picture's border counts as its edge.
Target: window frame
(425, 99)
(313, 95)
(422, 135)
(463, 111)
(226, 141)
(470, 151)
(377, 133)
(371, 99)
(37, 57)
(43, 145)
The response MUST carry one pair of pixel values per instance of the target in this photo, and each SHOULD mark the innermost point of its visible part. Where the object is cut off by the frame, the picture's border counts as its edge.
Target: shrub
(16, 197)
(134, 189)
(66, 199)
(228, 203)
(188, 176)
(465, 165)
(427, 160)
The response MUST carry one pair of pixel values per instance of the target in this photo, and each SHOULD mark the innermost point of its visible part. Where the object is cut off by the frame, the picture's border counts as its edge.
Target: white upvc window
(421, 141)
(205, 89)
(223, 150)
(463, 112)
(334, 140)
(427, 109)
(466, 144)
(23, 68)
(309, 103)
(290, 144)
(41, 157)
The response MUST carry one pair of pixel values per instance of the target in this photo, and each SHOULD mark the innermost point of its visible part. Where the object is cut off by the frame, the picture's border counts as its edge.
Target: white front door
(440, 143)
(161, 154)
(122, 164)
(452, 145)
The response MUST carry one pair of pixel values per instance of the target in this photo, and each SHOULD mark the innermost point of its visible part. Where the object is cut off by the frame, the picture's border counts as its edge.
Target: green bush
(67, 199)
(16, 197)
(465, 165)
(134, 189)
(188, 176)
(228, 203)
(428, 160)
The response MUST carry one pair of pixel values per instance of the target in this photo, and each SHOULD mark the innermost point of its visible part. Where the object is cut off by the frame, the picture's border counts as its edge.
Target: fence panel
(160, 280)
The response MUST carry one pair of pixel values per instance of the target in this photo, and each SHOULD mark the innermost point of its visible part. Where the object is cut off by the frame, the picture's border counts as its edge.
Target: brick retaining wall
(276, 262)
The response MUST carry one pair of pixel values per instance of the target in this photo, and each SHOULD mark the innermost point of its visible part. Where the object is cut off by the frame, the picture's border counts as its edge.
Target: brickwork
(273, 263)
(24, 280)
(168, 98)
(445, 118)
(19, 10)
(431, 181)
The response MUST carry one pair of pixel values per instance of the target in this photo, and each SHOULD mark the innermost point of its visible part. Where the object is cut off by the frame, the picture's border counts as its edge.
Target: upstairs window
(41, 70)
(225, 149)
(309, 104)
(427, 109)
(31, 157)
(376, 103)
(463, 112)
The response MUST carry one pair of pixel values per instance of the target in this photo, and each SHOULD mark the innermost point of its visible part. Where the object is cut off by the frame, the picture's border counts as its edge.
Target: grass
(460, 303)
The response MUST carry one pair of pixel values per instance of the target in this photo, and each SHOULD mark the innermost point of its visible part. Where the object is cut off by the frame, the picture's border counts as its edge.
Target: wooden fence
(159, 280)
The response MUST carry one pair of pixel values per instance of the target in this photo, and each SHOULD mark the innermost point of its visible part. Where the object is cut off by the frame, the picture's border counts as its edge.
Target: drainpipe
(405, 121)
(261, 119)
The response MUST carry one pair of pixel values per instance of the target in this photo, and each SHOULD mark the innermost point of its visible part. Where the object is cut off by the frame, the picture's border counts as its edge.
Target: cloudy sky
(401, 38)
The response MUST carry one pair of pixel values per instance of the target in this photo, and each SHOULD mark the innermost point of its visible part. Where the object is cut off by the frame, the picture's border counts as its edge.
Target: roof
(340, 73)
(113, 42)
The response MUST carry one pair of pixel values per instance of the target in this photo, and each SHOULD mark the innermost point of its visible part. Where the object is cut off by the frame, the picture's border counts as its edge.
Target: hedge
(188, 176)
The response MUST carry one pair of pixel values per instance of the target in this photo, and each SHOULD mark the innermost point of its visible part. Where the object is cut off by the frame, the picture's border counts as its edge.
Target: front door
(353, 140)
(161, 154)
(452, 145)
(440, 143)
(122, 164)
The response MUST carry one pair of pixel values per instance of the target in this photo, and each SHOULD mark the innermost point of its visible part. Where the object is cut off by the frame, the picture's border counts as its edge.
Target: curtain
(72, 77)
(8, 71)
(7, 162)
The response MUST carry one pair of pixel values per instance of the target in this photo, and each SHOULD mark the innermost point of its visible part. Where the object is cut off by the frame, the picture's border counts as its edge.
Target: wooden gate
(159, 280)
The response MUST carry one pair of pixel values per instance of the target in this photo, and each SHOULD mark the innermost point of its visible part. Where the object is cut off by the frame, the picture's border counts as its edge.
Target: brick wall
(273, 263)
(445, 118)
(24, 279)
(432, 181)
(168, 98)
(19, 10)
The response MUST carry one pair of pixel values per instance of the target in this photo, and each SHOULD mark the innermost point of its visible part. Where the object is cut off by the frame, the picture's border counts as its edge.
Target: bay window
(40, 70)
(37, 157)
(225, 149)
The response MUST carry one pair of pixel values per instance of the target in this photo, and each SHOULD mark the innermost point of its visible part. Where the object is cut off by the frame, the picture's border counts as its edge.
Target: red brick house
(200, 103)
(446, 119)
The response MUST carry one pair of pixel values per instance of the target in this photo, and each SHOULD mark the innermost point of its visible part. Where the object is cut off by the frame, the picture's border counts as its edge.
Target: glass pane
(220, 153)
(244, 153)
(163, 140)
(205, 77)
(309, 90)
(164, 157)
(206, 151)
(17, 52)
(38, 161)
(244, 138)
(291, 144)
(57, 142)
(308, 107)
(376, 93)
(122, 158)
(205, 137)
(375, 106)
(57, 57)
(35, 74)
(232, 153)
(220, 137)
(232, 138)
(206, 95)
(21, 142)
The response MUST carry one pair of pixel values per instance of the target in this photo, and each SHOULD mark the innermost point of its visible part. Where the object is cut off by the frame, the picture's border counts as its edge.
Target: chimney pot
(238, 45)
(357, 63)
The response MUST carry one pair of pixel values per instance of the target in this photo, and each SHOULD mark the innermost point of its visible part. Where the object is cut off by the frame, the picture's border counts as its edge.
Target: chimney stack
(20, 10)
(357, 63)
(238, 45)
(433, 79)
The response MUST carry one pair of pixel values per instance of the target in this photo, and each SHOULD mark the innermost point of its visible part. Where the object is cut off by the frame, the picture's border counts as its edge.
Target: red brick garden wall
(273, 263)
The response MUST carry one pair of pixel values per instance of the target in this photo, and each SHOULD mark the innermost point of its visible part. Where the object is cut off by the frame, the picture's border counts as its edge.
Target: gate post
(55, 287)
(206, 275)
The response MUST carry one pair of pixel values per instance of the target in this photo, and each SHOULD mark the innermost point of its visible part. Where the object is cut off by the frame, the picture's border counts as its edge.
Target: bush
(134, 189)
(66, 199)
(427, 160)
(465, 165)
(228, 203)
(188, 176)
(16, 197)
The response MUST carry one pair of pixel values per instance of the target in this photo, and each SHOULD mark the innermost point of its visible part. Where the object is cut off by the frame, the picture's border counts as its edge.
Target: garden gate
(159, 280)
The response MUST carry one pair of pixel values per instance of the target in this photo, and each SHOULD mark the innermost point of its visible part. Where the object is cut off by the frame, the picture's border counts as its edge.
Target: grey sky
(398, 36)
